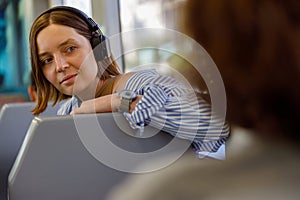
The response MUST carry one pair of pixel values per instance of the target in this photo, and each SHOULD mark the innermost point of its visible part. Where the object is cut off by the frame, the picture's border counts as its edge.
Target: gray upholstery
(15, 119)
(54, 163)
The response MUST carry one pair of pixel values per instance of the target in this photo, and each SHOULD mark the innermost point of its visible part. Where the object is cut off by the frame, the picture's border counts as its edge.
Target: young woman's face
(66, 58)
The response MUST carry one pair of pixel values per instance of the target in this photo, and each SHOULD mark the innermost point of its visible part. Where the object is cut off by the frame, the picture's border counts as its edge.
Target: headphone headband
(93, 26)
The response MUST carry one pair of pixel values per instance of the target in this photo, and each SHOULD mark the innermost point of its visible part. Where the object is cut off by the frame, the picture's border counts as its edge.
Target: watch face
(127, 94)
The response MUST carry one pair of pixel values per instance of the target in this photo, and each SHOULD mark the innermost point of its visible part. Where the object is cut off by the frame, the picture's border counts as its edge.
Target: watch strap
(125, 105)
(127, 97)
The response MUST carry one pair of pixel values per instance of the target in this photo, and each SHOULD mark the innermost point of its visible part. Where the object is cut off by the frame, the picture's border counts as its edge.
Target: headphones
(97, 37)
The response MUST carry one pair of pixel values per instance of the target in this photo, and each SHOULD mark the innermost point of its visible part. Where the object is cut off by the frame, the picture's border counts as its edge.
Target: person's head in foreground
(255, 45)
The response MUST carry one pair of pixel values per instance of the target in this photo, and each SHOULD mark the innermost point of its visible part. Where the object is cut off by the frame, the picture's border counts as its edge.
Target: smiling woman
(71, 59)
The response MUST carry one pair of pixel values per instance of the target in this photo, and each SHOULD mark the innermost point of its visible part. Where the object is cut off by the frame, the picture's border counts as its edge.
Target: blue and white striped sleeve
(171, 107)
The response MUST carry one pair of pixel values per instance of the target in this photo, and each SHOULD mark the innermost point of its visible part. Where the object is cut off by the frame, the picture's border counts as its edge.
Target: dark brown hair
(45, 90)
(255, 44)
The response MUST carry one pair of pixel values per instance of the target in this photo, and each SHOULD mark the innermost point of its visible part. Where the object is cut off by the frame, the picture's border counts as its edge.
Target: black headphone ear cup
(95, 40)
(100, 46)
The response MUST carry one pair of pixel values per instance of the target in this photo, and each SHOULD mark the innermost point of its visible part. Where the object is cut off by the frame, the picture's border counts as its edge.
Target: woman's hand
(133, 104)
(107, 103)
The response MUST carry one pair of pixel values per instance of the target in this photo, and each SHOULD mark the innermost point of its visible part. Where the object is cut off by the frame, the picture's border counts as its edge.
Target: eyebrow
(60, 45)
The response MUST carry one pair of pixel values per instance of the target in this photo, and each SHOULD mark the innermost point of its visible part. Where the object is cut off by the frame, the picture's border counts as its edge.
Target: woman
(64, 65)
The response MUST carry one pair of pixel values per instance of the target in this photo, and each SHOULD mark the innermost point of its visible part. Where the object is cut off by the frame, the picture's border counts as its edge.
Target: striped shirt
(171, 106)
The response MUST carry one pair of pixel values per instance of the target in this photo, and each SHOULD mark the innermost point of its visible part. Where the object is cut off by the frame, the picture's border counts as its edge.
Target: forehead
(55, 34)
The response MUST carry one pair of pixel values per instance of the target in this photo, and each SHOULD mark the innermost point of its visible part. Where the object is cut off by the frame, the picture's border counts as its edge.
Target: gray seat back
(15, 119)
(59, 158)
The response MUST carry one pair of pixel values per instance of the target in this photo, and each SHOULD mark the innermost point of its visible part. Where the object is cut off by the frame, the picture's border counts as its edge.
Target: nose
(61, 63)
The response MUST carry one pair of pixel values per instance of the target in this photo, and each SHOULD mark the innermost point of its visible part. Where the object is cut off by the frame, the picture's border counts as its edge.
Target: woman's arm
(184, 115)
(107, 103)
(169, 106)
(177, 109)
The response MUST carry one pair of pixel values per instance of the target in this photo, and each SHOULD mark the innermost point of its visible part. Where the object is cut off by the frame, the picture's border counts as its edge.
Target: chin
(68, 92)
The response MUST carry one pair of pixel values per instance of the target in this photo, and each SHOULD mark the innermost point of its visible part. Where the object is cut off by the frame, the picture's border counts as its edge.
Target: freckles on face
(65, 57)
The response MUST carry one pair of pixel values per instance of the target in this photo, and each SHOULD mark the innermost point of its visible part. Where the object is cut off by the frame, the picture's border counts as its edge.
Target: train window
(153, 17)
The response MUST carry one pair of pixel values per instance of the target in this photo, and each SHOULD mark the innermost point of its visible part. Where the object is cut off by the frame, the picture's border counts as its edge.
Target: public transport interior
(47, 157)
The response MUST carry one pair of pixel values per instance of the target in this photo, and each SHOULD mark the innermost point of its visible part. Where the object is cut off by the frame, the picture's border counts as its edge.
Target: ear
(31, 93)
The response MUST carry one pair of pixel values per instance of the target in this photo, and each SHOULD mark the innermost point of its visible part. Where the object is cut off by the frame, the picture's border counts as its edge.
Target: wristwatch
(127, 97)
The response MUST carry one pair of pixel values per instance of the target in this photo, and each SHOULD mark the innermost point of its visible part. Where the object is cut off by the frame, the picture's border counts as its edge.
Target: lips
(67, 78)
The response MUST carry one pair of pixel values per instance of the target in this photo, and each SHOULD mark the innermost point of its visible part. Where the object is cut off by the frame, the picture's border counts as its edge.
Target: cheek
(89, 66)
(50, 76)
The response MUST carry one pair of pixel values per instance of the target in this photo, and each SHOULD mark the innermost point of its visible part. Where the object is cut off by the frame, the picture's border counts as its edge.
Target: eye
(71, 49)
(46, 61)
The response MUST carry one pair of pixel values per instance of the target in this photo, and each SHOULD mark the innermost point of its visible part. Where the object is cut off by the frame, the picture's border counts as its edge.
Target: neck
(106, 87)
(92, 91)
(101, 87)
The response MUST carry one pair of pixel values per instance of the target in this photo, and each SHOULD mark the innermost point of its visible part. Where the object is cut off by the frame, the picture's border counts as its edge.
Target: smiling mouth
(65, 79)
